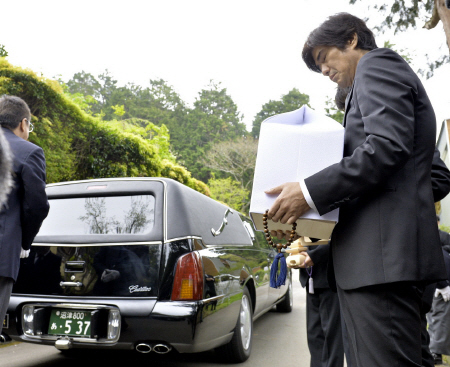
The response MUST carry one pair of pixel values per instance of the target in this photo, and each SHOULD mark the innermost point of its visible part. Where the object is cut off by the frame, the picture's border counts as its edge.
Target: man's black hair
(13, 110)
(341, 95)
(338, 30)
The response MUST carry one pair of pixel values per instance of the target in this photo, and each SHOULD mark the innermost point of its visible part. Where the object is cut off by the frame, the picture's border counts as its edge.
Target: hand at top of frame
(290, 203)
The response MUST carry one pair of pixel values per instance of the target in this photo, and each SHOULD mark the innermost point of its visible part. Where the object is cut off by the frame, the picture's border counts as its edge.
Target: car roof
(180, 211)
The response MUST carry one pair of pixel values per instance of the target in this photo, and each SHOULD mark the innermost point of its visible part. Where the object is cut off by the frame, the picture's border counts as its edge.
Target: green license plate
(65, 321)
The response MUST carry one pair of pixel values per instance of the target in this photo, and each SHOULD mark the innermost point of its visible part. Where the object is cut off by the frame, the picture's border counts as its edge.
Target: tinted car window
(108, 271)
(111, 215)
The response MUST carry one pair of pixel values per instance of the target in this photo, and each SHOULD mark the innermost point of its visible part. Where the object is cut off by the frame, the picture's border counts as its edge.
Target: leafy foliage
(235, 159)
(3, 52)
(228, 191)
(402, 14)
(80, 146)
(333, 112)
(213, 118)
(289, 102)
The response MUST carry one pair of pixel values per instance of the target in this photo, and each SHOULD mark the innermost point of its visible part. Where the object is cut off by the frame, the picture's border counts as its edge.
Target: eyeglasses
(30, 126)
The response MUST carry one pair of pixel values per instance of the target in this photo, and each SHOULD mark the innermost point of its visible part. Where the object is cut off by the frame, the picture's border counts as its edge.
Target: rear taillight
(188, 282)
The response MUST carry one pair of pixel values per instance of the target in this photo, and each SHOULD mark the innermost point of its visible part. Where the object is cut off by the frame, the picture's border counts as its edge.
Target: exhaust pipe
(144, 348)
(2, 339)
(162, 348)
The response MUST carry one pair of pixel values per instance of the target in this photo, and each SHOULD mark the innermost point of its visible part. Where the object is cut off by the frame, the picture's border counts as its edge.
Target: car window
(111, 215)
(109, 271)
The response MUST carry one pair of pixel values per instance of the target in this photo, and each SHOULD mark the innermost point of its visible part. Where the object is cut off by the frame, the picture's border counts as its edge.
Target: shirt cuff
(307, 196)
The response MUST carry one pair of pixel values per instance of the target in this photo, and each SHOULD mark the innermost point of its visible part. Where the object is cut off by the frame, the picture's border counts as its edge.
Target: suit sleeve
(440, 177)
(34, 201)
(319, 254)
(388, 124)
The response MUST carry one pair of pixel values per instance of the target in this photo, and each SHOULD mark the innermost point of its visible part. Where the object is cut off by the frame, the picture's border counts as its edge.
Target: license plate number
(70, 322)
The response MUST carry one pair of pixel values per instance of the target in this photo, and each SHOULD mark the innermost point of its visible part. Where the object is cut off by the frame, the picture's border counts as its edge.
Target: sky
(252, 47)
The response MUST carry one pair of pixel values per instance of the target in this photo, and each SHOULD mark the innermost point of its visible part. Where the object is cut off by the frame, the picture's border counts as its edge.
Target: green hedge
(79, 146)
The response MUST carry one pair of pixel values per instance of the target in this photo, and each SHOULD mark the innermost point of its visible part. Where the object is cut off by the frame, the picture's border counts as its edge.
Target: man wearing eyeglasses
(27, 204)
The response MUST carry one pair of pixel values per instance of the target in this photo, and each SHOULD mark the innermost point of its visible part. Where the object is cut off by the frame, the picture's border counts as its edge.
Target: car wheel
(288, 302)
(239, 348)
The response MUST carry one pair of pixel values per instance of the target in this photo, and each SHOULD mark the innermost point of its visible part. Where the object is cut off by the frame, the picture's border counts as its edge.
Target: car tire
(287, 303)
(239, 348)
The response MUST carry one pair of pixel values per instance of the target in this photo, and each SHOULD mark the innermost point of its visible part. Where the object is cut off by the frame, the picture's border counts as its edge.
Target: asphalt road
(279, 340)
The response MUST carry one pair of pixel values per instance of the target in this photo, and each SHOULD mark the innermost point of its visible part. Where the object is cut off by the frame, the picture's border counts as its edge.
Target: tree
(236, 159)
(228, 191)
(224, 119)
(214, 119)
(334, 112)
(85, 84)
(289, 102)
(119, 110)
(3, 52)
(401, 15)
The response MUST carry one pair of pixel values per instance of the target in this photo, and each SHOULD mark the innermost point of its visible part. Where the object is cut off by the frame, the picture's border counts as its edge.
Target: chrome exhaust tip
(143, 348)
(162, 348)
(2, 339)
(63, 344)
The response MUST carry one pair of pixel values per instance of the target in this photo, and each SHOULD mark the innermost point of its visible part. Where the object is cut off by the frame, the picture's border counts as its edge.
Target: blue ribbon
(277, 282)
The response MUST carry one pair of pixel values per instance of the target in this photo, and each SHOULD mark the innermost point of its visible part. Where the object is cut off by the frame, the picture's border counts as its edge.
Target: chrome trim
(75, 339)
(125, 179)
(217, 232)
(106, 179)
(164, 211)
(143, 348)
(71, 338)
(84, 306)
(70, 284)
(249, 229)
(162, 348)
(118, 243)
(96, 244)
(185, 238)
(212, 299)
(63, 343)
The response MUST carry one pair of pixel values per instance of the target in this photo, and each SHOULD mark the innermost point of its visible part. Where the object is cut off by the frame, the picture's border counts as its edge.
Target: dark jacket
(319, 255)
(387, 228)
(27, 204)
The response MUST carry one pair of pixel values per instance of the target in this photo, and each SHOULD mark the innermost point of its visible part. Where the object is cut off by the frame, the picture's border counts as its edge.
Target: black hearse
(146, 264)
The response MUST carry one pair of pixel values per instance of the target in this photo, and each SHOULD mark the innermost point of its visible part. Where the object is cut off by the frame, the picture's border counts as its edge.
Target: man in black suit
(40, 273)
(385, 247)
(27, 204)
(323, 316)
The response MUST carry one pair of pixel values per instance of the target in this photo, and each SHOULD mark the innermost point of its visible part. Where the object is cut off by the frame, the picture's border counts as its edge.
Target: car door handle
(75, 267)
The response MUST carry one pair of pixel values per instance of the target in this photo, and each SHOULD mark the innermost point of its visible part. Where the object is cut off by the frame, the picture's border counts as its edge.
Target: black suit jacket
(27, 204)
(39, 275)
(319, 255)
(387, 228)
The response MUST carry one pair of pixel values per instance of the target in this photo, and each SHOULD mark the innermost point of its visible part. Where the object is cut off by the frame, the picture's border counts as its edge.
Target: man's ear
(353, 42)
(23, 124)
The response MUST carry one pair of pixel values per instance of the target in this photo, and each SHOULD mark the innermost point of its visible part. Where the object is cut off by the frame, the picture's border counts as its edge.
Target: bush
(79, 146)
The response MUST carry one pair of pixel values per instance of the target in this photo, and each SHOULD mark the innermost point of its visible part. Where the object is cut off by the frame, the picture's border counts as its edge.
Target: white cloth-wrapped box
(293, 146)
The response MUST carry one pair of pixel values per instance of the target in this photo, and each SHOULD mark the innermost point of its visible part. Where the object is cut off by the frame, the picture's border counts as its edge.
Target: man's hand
(290, 203)
(444, 292)
(308, 262)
